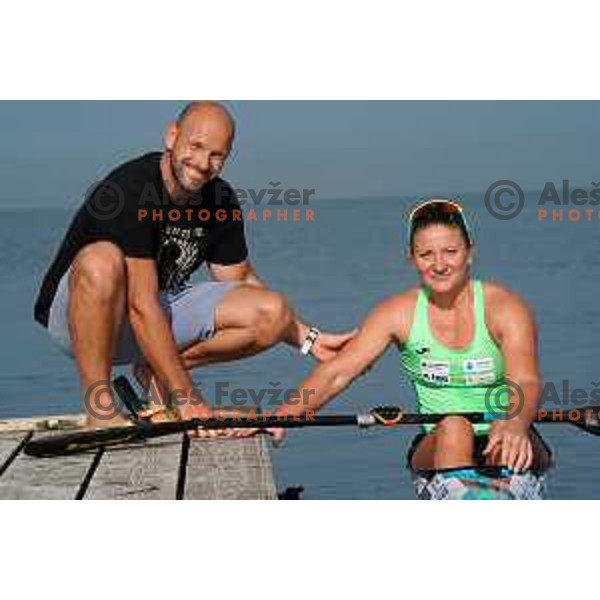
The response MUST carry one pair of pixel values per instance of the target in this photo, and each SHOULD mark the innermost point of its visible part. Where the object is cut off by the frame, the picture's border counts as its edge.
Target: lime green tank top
(448, 380)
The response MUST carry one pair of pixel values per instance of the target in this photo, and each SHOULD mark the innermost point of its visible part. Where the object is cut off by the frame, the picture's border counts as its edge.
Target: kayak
(479, 483)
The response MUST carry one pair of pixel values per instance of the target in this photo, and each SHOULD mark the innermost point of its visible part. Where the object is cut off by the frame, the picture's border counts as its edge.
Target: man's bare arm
(243, 272)
(151, 327)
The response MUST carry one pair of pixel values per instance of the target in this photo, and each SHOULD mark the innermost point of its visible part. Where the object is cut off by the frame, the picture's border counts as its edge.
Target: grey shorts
(191, 313)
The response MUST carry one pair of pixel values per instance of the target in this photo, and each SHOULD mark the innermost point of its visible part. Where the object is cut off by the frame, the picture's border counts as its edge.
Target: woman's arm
(517, 337)
(516, 332)
(384, 324)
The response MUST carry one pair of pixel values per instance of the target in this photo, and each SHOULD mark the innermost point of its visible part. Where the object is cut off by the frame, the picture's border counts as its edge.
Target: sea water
(334, 270)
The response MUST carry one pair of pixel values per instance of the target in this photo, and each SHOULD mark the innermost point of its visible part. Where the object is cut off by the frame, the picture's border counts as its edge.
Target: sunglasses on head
(434, 209)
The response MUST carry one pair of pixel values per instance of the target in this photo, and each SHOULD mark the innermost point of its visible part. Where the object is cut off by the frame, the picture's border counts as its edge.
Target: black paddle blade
(81, 441)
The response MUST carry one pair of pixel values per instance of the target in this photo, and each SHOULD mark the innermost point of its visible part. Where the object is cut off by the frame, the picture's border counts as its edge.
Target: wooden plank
(30, 478)
(221, 468)
(138, 472)
(230, 469)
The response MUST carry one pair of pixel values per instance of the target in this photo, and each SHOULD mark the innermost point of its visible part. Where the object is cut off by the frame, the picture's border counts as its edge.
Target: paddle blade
(80, 441)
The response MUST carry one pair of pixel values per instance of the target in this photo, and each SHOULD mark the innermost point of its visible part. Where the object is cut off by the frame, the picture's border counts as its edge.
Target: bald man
(118, 290)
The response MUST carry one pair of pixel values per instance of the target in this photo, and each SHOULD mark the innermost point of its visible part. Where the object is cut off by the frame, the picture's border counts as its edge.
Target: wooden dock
(173, 467)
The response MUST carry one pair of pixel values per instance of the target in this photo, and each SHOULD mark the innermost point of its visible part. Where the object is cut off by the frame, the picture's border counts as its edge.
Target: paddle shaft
(80, 441)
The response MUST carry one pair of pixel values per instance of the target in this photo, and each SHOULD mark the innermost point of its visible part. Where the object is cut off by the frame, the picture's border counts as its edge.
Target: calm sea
(333, 270)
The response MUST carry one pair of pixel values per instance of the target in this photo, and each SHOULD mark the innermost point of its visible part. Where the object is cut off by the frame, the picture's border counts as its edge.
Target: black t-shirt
(180, 238)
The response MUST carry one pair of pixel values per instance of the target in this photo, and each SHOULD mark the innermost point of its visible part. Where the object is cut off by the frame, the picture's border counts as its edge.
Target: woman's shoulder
(396, 312)
(502, 302)
(401, 301)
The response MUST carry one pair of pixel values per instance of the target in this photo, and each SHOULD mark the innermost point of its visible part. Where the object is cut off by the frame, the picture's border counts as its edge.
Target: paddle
(79, 441)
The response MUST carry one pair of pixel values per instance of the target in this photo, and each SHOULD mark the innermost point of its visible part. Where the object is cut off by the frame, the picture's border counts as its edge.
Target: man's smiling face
(199, 146)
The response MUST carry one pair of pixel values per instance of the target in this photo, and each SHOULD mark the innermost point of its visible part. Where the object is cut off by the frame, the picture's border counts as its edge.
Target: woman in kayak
(463, 343)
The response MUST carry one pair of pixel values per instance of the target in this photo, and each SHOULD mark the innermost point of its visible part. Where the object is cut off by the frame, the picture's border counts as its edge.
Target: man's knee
(100, 268)
(272, 318)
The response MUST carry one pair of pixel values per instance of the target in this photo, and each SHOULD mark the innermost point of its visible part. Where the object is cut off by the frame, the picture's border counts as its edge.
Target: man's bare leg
(97, 297)
(250, 320)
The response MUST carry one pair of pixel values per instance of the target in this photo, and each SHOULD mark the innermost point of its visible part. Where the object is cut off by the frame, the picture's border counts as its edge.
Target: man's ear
(170, 136)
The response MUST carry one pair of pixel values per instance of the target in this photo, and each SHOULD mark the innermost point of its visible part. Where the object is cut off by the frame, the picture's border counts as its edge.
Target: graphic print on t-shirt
(181, 252)
(479, 371)
(435, 371)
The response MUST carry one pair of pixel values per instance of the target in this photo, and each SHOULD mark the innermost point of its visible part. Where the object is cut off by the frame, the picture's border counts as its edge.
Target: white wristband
(310, 340)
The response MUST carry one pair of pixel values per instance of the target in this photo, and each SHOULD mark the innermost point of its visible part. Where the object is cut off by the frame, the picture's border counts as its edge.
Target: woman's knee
(454, 430)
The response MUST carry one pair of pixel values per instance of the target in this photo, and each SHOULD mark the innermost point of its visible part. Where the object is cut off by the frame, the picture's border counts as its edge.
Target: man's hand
(509, 444)
(328, 345)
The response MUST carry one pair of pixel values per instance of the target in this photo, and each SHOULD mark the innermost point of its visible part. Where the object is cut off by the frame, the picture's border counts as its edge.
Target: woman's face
(441, 257)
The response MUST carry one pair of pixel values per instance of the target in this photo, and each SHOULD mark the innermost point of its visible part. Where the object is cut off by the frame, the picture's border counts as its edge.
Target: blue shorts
(191, 313)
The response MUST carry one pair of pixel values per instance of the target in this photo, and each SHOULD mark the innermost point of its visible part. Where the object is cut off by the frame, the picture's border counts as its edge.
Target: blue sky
(50, 152)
